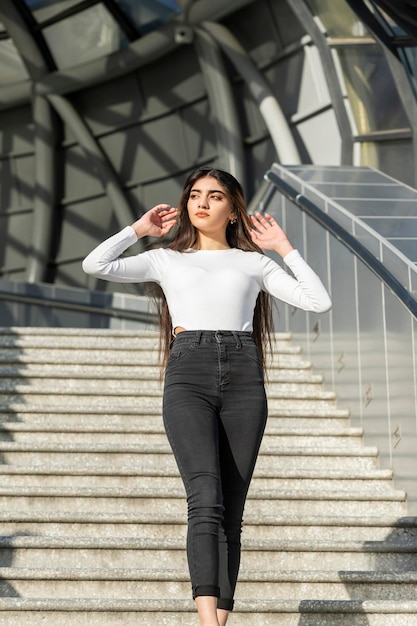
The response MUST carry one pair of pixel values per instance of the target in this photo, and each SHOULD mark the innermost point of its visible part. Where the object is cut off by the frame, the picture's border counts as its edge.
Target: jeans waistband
(213, 336)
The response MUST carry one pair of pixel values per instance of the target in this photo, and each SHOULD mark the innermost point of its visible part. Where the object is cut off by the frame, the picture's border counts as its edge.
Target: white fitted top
(209, 289)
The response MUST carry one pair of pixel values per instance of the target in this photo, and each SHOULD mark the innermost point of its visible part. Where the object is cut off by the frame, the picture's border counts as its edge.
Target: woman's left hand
(268, 235)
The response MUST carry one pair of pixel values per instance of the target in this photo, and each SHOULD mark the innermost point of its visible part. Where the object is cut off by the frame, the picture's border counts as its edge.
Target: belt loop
(198, 337)
(237, 339)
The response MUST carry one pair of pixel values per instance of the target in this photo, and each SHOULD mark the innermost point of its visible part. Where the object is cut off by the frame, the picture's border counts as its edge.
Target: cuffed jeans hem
(206, 590)
(225, 604)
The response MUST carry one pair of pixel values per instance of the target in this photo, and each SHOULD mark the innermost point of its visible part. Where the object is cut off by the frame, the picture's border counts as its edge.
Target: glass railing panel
(343, 174)
(393, 227)
(396, 264)
(342, 219)
(358, 192)
(366, 346)
(380, 207)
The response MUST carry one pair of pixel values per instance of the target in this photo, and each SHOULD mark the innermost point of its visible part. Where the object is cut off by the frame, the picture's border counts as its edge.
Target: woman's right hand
(157, 222)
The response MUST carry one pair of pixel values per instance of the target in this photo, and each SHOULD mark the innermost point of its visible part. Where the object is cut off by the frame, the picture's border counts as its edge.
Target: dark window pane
(84, 36)
(46, 9)
(149, 15)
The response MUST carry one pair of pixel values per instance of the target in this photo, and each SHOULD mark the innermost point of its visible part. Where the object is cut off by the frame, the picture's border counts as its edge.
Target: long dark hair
(237, 236)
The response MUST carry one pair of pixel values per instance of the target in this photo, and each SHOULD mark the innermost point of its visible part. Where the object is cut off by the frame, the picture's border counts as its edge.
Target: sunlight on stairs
(92, 528)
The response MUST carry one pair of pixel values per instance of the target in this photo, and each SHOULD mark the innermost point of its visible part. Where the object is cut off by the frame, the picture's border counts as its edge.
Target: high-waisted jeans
(215, 411)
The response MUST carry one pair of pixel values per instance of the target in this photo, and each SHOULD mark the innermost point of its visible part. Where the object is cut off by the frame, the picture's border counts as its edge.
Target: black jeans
(215, 411)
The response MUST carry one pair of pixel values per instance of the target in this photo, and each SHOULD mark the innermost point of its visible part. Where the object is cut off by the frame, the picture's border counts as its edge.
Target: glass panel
(389, 22)
(406, 246)
(368, 83)
(12, 68)
(395, 30)
(338, 18)
(338, 175)
(380, 206)
(393, 227)
(359, 191)
(411, 56)
(85, 36)
(149, 15)
(46, 9)
(396, 161)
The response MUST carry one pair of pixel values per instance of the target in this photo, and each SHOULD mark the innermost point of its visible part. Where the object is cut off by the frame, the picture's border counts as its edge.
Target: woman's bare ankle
(222, 616)
(207, 610)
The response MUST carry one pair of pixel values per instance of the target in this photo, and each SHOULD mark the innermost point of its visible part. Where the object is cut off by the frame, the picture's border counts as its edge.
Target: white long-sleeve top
(209, 289)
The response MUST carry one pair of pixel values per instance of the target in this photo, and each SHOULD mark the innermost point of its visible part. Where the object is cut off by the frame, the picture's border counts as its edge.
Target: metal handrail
(115, 312)
(346, 238)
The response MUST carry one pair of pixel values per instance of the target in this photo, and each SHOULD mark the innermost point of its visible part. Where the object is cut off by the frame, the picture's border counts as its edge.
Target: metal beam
(136, 55)
(222, 105)
(100, 163)
(21, 27)
(108, 67)
(45, 189)
(15, 95)
(44, 142)
(306, 19)
(269, 108)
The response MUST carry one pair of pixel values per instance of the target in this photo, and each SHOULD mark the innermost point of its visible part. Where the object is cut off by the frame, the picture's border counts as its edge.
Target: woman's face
(209, 206)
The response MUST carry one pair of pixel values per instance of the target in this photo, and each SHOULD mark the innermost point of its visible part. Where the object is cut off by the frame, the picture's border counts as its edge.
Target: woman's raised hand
(157, 222)
(268, 235)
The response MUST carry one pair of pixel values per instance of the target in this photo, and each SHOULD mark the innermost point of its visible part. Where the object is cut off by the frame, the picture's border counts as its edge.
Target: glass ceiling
(77, 31)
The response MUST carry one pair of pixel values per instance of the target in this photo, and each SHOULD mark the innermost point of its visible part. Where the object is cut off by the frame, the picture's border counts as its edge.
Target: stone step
(172, 502)
(36, 373)
(138, 348)
(148, 395)
(138, 477)
(89, 612)
(51, 331)
(12, 357)
(117, 344)
(152, 425)
(158, 526)
(97, 386)
(20, 412)
(84, 341)
(102, 434)
(143, 584)
(33, 552)
(143, 481)
(133, 343)
(152, 526)
(70, 335)
(134, 419)
(160, 456)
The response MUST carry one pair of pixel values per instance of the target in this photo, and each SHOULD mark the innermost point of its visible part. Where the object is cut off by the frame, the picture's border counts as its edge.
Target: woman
(216, 321)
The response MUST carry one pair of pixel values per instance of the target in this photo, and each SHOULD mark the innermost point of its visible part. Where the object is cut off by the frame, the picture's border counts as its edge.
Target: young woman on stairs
(215, 325)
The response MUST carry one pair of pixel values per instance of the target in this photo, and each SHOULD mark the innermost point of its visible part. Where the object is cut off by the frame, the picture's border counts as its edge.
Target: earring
(233, 221)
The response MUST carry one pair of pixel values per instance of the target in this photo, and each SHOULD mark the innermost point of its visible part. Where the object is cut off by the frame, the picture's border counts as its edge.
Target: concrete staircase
(92, 516)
